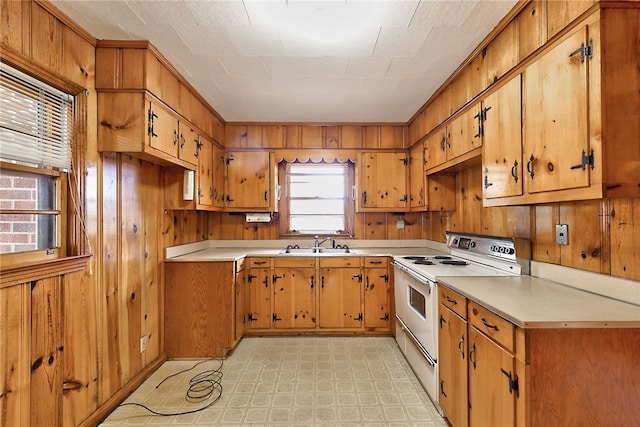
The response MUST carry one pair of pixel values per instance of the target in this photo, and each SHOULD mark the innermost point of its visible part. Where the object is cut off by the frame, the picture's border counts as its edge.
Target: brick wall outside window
(18, 232)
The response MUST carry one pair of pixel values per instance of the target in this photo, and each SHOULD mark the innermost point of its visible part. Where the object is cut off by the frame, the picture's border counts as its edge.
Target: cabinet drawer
(453, 300)
(340, 261)
(309, 261)
(376, 261)
(260, 262)
(492, 325)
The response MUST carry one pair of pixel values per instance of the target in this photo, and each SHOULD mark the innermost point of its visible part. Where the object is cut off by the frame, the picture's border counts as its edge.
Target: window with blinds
(317, 199)
(36, 123)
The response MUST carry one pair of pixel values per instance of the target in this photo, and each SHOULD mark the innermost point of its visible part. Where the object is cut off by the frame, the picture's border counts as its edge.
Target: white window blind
(35, 121)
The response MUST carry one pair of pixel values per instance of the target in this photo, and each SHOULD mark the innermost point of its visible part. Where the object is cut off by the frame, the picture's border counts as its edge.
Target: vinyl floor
(288, 381)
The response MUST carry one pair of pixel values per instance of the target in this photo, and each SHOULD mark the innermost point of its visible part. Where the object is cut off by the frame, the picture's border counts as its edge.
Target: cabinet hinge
(404, 161)
(250, 317)
(200, 194)
(359, 317)
(386, 317)
(513, 382)
(151, 116)
(586, 160)
(228, 160)
(584, 51)
(275, 317)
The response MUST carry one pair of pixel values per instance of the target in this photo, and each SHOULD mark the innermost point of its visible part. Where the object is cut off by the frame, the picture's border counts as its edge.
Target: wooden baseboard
(99, 414)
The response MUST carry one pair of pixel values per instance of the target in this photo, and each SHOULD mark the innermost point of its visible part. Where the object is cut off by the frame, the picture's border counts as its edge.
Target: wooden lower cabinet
(378, 306)
(452, 360)
(340, 297)
(259, 286)
(294, 303)
(200, 308)
(541, 377)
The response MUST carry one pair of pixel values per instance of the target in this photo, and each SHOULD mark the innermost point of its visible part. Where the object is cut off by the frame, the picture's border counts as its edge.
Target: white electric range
(416, 295)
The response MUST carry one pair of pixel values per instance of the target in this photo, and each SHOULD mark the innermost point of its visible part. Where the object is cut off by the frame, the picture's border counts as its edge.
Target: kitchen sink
(316, 251)
(336, 251)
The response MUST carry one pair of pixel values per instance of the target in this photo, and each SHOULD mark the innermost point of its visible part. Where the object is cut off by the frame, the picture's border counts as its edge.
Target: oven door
(416, 304)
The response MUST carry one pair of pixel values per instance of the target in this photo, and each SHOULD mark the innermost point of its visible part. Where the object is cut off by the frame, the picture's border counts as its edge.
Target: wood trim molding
(18, 274)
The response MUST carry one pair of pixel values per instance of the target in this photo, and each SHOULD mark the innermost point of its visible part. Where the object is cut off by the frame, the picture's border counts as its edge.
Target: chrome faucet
(319, 242)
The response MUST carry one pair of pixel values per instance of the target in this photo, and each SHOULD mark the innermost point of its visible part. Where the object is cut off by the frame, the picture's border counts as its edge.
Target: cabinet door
(555, 117)
(491, 399)
(464, 133)
(378, 190)
(188, 143)
(417, 182)
(162, 129)
(259, 298)
(436, 149)
(219, 165)
(248, 180)
(340, 290)
(502, 149)
(241, 290)
(294, 297)
(205, 174)
(376, 297)
(452, 360)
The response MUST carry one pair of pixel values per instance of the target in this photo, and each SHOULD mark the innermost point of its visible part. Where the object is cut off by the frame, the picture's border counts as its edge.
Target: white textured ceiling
(303, 61)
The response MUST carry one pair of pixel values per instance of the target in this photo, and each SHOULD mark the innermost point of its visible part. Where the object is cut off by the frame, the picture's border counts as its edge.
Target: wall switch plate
(143, 343)
(562, 234)
(400, 224)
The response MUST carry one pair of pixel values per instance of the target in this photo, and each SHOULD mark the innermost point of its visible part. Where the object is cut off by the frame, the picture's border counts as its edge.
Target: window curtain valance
(316, 156)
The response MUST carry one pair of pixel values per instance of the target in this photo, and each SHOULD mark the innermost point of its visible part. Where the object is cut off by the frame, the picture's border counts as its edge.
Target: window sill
(18, 274)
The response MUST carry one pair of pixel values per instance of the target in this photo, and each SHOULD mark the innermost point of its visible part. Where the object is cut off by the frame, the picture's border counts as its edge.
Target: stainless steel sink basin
(316, 251)
(298, 251)
(336, 251)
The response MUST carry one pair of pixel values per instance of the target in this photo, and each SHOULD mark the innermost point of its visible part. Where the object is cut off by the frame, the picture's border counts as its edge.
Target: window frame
(284, 201)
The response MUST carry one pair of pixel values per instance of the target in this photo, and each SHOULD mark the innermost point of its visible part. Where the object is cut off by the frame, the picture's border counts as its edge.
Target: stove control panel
(498, 247)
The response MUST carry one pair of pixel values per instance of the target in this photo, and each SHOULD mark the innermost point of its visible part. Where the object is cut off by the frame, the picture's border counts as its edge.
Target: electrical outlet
(562, 234)
(400, 224)
(143, 343)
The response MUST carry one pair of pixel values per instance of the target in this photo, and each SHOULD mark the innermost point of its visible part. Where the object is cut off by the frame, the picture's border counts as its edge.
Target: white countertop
(531, 302)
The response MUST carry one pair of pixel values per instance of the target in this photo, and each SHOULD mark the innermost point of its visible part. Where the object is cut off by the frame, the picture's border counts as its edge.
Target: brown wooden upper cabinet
(250, 181)
(383, 181)
(579, 118)
(417, 178)
(456, 141)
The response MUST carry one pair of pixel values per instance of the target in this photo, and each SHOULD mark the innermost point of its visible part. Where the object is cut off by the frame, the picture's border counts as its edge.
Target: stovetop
(470, 255)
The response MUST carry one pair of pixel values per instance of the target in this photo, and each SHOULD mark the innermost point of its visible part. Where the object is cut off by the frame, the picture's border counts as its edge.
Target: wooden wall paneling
(273, 136)
(253, 136)
(441, 192)
(371, 136)
(494, 221)
(80, 375)
(235, 136)
(151, 292)
(260, 231)
(173, 184)
(132, 267)
(230, 226)
(467, 215)
(532, 28)
(375, 226)
(109, 380)
(15, 345)
(152, 71)
(586, 235)
(459, 89)
(133, 63)
(477, 75)
(46, 352)
(392, 136)
(519, 221)
(625, 228)
(359, 225)
(444, 104)
(46, 39)
(332, 137)
(412, 228)
(15, 33)
(312, 137)
(560, 13)
(108, 68)
(545, 248)
(502, 53)
(293, 136)
(351, 136)
(436, 224)
(78, 58)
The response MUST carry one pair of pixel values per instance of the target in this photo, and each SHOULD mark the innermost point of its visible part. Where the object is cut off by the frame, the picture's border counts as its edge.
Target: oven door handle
(432, 361)
(422, 280)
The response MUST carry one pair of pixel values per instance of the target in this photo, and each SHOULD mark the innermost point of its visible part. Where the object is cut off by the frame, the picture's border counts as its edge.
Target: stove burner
(442, 257)
(415, 257)
(423, 262)
(453, 262)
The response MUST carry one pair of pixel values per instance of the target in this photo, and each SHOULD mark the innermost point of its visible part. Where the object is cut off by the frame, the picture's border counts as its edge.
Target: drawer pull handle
(259, 262)
(460, 344)
(375, 262)
(489, 325)
(473, 350)
(449, 300)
